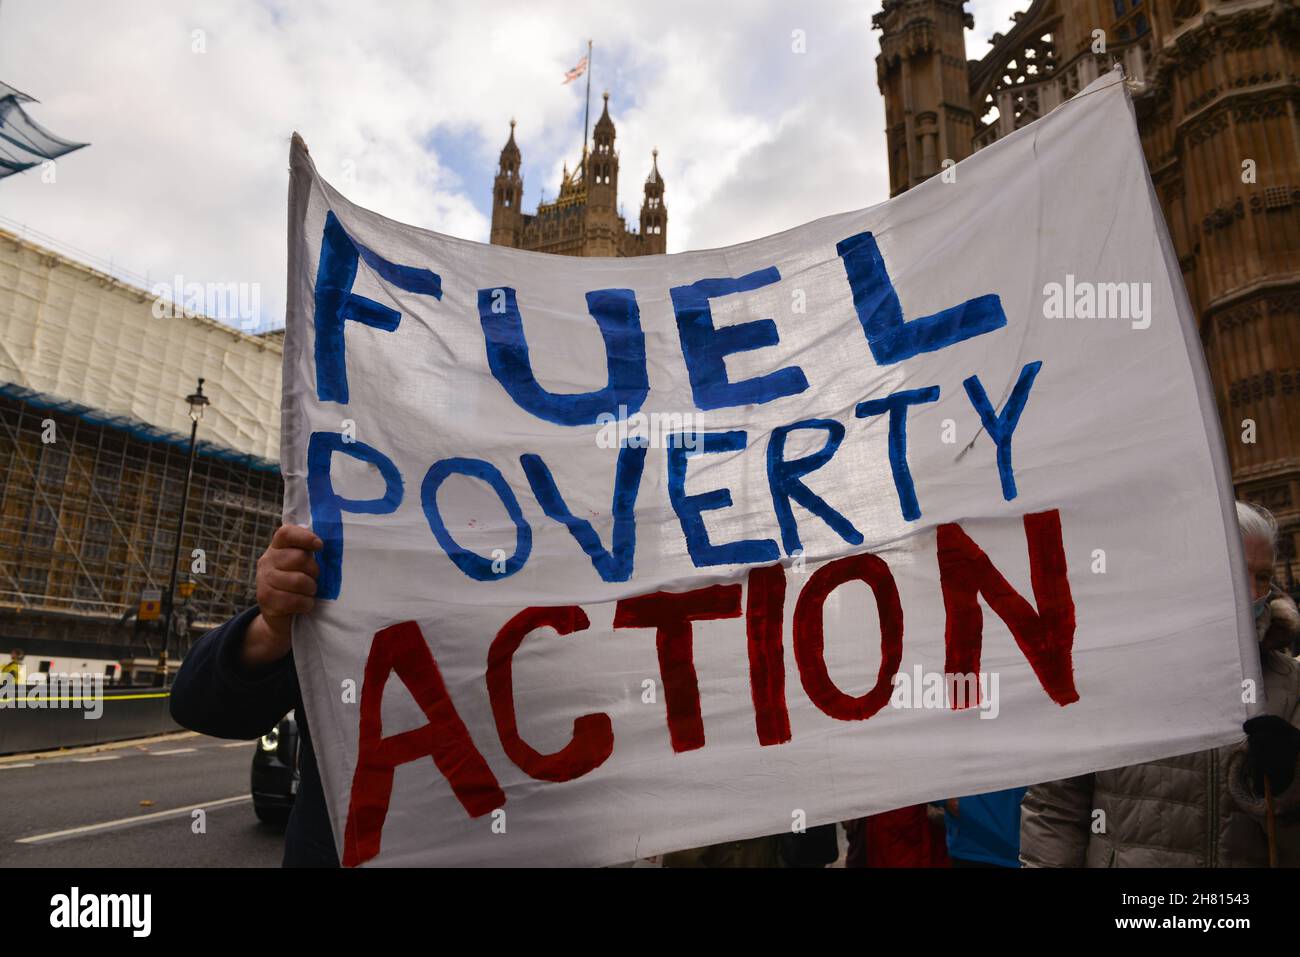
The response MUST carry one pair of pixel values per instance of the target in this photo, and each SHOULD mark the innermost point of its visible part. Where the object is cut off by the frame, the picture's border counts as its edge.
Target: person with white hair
(1259, 539)
(1207, 809)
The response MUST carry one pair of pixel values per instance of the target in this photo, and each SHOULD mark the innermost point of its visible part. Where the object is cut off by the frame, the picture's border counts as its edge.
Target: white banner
(632, 555)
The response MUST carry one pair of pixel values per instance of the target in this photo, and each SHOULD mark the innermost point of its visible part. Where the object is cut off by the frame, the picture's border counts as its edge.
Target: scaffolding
(94, 436)
(88, 520)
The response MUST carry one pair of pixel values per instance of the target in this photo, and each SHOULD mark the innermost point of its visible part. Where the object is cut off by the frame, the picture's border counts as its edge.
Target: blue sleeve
(214, 695)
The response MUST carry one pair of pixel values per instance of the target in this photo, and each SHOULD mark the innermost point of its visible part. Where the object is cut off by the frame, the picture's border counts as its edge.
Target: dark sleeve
(213, 695)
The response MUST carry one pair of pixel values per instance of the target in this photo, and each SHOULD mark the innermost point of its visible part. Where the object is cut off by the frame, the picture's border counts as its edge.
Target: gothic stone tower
(923, 75)
(603, 225)
(1216, 88)
(507, 194)
(654, 214)
(583, 219)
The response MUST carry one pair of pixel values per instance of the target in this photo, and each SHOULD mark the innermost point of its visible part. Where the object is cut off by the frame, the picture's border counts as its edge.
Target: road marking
(10, 767)
(103, 757)
(237, 744)
(130, 821)
(61, 753)
(101, 697)
(172, 751)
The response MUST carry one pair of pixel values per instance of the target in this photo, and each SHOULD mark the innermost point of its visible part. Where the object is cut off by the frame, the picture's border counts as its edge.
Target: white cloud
(405, 107)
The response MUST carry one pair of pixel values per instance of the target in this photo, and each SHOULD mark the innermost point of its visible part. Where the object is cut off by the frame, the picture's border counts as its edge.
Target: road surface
(133, 806)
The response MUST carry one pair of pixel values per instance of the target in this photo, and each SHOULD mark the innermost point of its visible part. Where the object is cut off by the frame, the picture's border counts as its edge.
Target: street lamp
(198, 401)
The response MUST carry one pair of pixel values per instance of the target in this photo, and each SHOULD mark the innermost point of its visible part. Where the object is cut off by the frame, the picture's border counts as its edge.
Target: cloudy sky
(189, 107)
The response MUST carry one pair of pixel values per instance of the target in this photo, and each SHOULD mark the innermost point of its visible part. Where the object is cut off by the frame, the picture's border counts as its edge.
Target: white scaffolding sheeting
(80, 336)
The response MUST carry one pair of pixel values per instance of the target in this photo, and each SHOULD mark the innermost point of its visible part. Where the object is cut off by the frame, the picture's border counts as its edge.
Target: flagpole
(586, 118)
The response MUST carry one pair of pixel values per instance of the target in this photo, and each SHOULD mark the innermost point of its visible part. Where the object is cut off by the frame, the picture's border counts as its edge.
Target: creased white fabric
(1117, 435)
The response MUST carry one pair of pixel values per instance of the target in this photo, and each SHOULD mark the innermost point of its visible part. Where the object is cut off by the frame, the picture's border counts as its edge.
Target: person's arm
(214, 694)
(1272, 746)
(1271, 751)
(1054, 822)
(238, 680)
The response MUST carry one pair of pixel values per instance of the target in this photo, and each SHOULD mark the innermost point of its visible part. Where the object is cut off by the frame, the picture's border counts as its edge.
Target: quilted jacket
(1196, 810)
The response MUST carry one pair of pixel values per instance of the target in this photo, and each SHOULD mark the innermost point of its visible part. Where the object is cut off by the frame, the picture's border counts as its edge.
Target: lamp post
(197, 402)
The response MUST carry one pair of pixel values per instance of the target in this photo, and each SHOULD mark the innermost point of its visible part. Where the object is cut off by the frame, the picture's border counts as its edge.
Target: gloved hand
(1272, 746)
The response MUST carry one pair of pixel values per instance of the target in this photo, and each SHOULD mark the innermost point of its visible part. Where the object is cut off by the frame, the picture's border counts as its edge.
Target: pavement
(134, 804)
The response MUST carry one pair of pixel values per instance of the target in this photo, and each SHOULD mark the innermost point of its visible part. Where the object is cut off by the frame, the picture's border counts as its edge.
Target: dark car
(275, 772)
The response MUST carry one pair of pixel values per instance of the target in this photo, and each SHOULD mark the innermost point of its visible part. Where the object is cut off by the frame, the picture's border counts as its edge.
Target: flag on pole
(576, 72)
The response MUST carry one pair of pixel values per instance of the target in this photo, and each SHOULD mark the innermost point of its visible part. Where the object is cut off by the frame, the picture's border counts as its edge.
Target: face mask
(1263, 616)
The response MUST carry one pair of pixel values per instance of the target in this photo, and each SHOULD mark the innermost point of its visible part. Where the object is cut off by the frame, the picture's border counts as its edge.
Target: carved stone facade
(583, 220)
(1216, 87)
